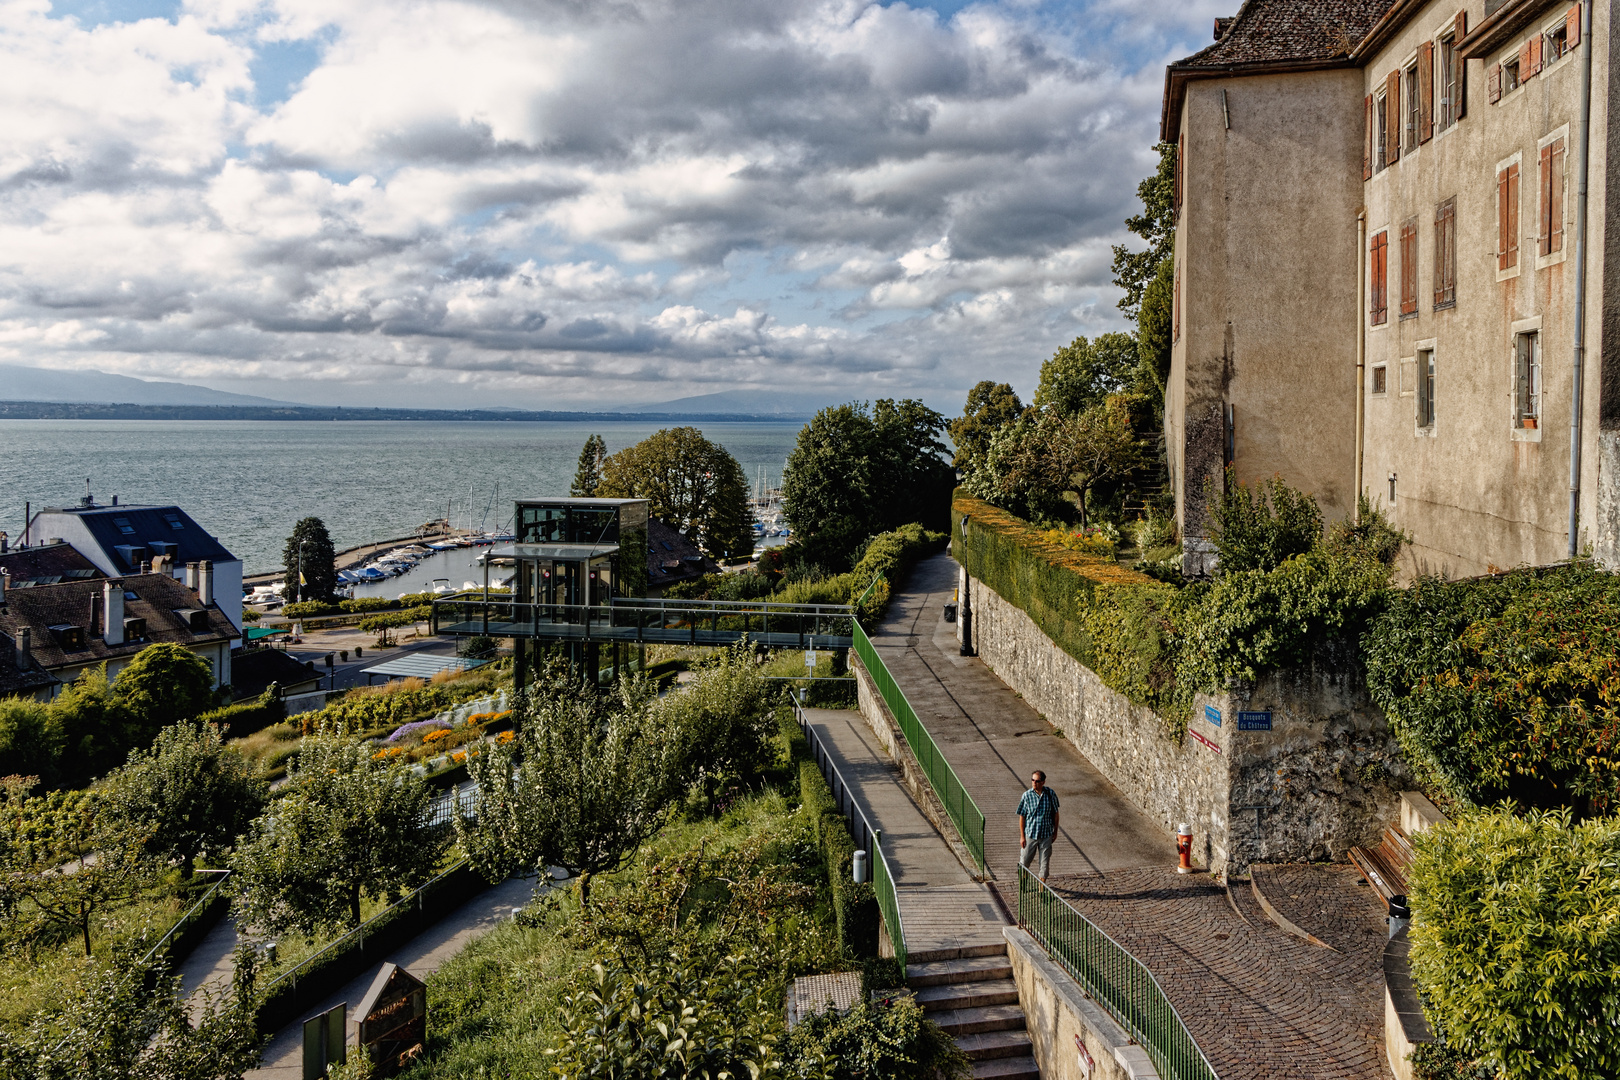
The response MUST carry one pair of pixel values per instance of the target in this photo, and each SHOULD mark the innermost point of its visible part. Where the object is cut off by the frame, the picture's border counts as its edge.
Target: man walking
(1037, 823)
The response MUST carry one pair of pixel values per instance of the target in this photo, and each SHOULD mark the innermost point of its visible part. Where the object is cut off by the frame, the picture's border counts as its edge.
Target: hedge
(246, 717)
(1506, 686)
(855, 906)
(1156, 643)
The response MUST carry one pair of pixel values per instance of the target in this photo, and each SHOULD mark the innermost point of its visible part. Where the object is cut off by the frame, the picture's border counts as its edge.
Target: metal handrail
(882, 875)
(953, 794)
(359, 932)
(1118, 981)
(191, 915)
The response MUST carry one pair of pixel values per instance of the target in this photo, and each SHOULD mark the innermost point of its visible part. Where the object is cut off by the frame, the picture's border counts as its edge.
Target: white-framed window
(1381, 143)
(1450, 81)
(1527, 380)
(1380, 380)
(1425, 391)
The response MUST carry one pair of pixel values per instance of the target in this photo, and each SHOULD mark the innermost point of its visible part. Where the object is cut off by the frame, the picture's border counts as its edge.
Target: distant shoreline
(54, 410)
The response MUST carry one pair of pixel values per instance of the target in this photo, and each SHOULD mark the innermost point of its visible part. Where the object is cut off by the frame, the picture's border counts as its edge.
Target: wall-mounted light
(1392, 489)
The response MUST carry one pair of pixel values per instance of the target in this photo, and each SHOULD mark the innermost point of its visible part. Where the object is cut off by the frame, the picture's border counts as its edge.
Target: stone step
(967, 995)
(958, 952)
(956, 1022)
(968, 969)
(989, 1045)
(1016, 1068)
(963, 995)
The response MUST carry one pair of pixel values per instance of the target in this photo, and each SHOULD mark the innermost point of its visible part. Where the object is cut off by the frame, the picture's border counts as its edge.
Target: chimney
(160, 564)
(146, 566)
(92, 625)
(191, 576)
(4, 576)
(115, 500)
(5, 543)
(25, 648)
(205, 583)
(112, 607)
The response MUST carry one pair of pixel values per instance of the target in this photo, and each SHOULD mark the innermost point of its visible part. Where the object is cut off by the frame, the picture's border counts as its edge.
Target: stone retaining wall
(1064, 1023)
(1326, 775)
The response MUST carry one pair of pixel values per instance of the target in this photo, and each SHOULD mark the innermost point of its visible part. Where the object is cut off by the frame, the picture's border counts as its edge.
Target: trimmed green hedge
(1157, 643)
(246, 717)
(855, 907)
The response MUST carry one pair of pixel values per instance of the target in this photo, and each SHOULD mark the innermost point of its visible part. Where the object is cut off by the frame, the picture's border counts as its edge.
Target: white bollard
(860, 868)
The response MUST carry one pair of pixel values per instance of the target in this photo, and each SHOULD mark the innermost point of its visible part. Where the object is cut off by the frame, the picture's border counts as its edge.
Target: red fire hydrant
(1184, 849)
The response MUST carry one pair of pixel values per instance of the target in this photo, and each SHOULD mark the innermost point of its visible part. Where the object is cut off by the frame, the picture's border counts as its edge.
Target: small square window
(1425, 389)
(1380, 382)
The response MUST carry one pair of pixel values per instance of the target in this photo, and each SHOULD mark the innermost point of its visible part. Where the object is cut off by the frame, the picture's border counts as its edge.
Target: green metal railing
(1115, 978)
(866, 837)
(959, 805)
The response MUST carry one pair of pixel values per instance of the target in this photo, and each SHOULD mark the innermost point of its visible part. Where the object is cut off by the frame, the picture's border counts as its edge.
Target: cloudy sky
(556, 203)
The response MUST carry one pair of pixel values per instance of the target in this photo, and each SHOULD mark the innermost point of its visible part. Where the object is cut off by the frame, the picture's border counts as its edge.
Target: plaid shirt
(1037, 809)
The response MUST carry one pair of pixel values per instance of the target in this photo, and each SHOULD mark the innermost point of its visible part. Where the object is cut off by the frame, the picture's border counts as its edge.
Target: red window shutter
(1555, 190)
(1572, 27)
(1493, 86)
(1544, 219)
(1409, 276)
(1379, 265)
(1367, 143)
(1526, 59)
(1512, 217)
(1459, 30)
(1502, 220)
(1536, 51)
(1392, 119)
(1425, 91)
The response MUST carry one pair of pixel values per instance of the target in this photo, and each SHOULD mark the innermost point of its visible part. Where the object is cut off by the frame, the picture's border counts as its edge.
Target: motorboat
(371, 573)
(441, 587)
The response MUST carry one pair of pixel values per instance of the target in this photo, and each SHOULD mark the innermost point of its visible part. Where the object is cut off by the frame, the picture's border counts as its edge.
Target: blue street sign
(1254, 721)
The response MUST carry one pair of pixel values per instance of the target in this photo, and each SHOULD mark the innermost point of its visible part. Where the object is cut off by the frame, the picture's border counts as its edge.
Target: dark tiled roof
(157, 598)
(1285, 31)
(155, 530)
(14, 683)
(56, 561)
(254, 669)
(672, 557)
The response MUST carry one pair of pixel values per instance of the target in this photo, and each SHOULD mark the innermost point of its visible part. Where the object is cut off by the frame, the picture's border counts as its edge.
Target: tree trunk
(585, 889)
(84, 927)
(188, 865)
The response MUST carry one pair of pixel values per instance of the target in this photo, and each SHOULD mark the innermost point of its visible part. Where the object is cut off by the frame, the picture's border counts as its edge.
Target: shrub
(855, 907)
(307, 609)
(1262, 528)
(365, 604)
(1505, 686)
(1516, 940)
(890, 1040)
(246, 717)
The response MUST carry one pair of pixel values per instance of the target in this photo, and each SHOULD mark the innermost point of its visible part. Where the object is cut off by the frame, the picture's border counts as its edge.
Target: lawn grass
(494, 1008)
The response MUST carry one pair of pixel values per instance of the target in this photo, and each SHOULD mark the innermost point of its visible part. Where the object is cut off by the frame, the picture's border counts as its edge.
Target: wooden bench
(1384, 866)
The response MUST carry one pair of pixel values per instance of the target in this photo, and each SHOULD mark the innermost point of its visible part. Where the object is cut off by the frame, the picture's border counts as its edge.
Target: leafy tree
(856, 471)
(31, 739)
(1084, 373)
(723, 719)
(318, 562)
(348, 827)
(162, 684)
(990, 407)
(1048, 459)
(64, 864)
(195, 793)
(1090, 447)
(1260, 529)
(1155, 329)
(1516, 940)
(128, 1021)
(94, 725)
(690, 483)
(1133, 270)
(588, 476)
(583, 786)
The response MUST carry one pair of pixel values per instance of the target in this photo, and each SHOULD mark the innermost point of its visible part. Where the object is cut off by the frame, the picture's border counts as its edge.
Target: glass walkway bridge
(633, 620)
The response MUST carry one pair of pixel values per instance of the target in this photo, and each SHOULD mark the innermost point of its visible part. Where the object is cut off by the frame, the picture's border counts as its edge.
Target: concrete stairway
(970, 993)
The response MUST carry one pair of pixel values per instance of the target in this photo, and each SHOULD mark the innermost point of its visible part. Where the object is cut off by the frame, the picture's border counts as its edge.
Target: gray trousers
(1042, 847)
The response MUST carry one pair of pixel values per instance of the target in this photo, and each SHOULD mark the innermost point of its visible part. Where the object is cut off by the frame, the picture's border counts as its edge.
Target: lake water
(249, 482)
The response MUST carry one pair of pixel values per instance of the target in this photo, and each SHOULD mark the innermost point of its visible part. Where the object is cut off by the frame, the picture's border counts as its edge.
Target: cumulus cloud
(494, 201)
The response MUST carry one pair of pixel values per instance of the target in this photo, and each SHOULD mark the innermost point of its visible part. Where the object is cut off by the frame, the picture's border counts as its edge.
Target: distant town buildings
(1378, 276)
(98, 584)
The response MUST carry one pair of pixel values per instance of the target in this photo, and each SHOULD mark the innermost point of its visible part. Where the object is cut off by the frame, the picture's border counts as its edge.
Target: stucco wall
(1325, 777)
(1268, 317)
(1057, 1012)
(1478, 492)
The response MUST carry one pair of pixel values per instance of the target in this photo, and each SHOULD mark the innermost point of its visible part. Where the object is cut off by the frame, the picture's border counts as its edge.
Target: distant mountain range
(39, 393)
(100, 387)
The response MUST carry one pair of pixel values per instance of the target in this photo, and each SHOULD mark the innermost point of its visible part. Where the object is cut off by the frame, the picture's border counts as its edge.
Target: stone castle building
(1393, 264)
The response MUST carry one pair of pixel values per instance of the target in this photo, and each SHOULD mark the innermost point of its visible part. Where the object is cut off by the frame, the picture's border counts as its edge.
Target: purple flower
(420, 727)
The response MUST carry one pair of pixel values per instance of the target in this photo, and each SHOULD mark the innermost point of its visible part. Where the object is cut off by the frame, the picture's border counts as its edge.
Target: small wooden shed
(391, 1020)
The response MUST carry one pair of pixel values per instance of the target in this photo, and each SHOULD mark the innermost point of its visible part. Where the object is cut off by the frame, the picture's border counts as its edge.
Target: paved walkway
(944, 911)
(994, 740)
